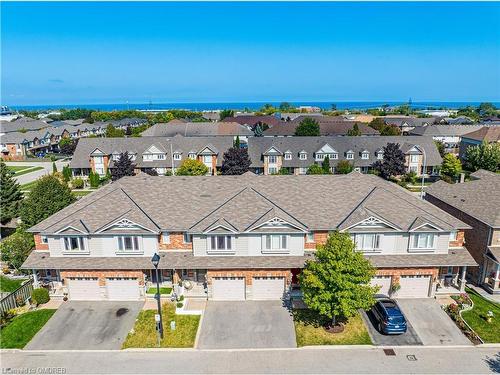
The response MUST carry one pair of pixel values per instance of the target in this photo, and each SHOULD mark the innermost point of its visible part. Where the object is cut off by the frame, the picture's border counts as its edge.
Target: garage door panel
(414, 286)
(123, 289)
(384, 282)
(84, 289)
(268, 288)
(228, 288)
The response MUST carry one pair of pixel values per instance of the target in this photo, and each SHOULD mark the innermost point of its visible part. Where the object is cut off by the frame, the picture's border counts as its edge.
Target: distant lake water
(240, 106)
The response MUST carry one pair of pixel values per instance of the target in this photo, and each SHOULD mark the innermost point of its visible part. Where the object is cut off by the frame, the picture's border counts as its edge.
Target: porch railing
(23, 293)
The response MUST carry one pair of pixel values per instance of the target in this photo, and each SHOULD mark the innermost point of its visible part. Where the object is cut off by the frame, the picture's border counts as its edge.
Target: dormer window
(303, 156)
(320, 156)
(365, 155)
(177, 156)
(74, 243)
(380, 155)
(192, 155)
(349, 155)
(288, 156)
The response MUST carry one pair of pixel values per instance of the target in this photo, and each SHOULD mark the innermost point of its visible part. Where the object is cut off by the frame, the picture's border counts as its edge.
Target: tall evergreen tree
(123, 167)
(237, 142)
(326, 165)
(48, 196)
(54, 167)
(308, 127)
(10, 194)
(236, 161)
(393, 163)
(354, 131)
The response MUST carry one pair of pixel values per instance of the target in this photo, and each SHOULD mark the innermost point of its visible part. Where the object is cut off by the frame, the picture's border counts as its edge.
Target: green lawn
(164, 290)
(309, 331)
(23, 327)
(18, 168)
(144, 334)
(476, 318)
(9, 285)
(29, 170)
(80, 193)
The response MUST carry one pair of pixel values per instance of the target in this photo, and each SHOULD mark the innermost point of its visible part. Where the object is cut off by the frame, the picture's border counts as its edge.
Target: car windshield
(396, 319)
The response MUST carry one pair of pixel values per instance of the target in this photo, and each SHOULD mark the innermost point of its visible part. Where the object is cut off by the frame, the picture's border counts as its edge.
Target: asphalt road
(366, 360)
(29, 177)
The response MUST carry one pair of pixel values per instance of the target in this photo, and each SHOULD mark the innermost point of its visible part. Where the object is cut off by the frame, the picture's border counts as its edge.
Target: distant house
(449, 135)
(328, 126)
(252, 121)
(407, 123)
(475, 138)
(476, 203)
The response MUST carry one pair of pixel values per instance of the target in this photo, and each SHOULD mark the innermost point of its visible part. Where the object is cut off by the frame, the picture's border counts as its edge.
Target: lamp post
(156, 260)
(423, 173)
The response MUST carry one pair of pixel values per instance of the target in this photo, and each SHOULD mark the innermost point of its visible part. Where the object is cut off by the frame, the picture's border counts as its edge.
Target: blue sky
(76, 53)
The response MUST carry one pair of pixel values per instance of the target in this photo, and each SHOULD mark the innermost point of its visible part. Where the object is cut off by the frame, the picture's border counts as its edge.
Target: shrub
(77, 183)
(94, 179)
(181, 298)
(40, 296)
(179, 305)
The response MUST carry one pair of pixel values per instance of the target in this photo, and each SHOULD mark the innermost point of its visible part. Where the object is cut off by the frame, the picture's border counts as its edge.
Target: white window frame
(320, 157)
(365, 155)
(165, 238)
(81, 244)
(220, 243)
(187, 237)
(303, 156)
(414, 158)
(272, 159)
(380, 155)
(453, 235)
(288, 156)
(367, 242)
(177, 156)
(272, 170)
(419, 243)
(310, 237)
(44, 239)
(192, 156)
(275, 243)
(135, 242)
(334, 156)
(302, 170)
(350, 156)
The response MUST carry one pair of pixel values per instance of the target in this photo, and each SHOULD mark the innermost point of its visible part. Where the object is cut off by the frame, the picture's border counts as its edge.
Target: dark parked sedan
(390, 320)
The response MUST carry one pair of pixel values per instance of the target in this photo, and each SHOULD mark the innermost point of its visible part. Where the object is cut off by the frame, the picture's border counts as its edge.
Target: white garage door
(384, 282)
(84, 289)
(414, 287)
(268, 288)
(228, 288)
(123, 289)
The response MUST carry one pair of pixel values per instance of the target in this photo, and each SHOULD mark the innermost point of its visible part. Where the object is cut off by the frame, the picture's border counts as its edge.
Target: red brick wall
(12, 155)
(397, 272)
(460, 241)
(319, 239)
(176, 242)
(249, 274)
(103, 274)
(39, 245)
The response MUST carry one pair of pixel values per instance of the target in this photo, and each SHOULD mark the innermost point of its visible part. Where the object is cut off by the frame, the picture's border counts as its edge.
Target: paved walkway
(485, 294)
(33, 176)
(321, 360)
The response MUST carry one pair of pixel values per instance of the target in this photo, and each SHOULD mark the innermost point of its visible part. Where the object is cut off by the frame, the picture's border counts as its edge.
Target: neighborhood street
(463, 360)
(32, 176)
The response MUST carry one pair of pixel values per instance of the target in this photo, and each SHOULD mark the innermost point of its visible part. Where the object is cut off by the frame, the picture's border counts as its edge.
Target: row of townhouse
(243, 237)
(16, 145)
(267, 154)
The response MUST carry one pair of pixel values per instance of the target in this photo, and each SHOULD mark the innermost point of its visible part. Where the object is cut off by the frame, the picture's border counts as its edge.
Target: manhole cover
(411, 357)
(389, 352)
(121, 311)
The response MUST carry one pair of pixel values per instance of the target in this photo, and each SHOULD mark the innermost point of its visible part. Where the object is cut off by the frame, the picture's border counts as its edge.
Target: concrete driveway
(246, 324)
(87, 325)
(410, 337)
(33, 176)
(432, 325)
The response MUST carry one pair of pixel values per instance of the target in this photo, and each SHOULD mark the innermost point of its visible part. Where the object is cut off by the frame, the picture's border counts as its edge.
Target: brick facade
(102, 275)
(176, 242)
(249, 274)
(396, 273)
(476, 239)
(460, 241)
(319, 239)
(39, 245)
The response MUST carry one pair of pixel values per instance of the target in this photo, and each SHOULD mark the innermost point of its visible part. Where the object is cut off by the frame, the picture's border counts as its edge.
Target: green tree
(66, 172)
(354, 131)
(122, 167)
(451, 166)
(16, 248)
(236, 143)
(487, 109)
(226, 113)
(67, 146)
(393, 163)
(190, 167)
(10, 194)
(336, 283)
(308, 127)
(326, 165)
(94, 179)
(440, 147)
(344, 167)
(283, 171)
(485, 156)
(54, 167)
(315, 169)
(235, 161)
(285, 107)
(112, 132)
(48, 196)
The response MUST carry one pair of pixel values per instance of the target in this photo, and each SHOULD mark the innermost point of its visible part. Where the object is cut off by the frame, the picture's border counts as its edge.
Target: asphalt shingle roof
(197, 129)
(479, 198)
